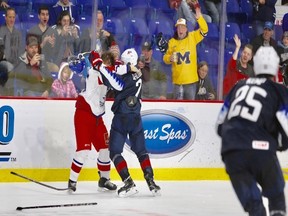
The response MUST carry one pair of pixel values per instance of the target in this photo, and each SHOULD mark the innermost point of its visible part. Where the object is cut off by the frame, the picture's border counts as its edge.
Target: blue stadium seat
(84, 22)
(238, 18)
(212, 38)
(248, 33)
(87, 7)
(285, 22)
(210, 55)
(137, 30)
(162, 7)
(230, 30)
(137, 3)
(21, 6)
(116, 8)
(37, 3)
(278, 32)
(247, 7)
(234, 14)
(232, 6)
(29, 20)
(161, 25)
(213, 32)
(114, 26)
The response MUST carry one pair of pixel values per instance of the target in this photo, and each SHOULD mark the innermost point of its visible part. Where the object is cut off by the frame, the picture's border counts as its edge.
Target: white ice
(193, 198)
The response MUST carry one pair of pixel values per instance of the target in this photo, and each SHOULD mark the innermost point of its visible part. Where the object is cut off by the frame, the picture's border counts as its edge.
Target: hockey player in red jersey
(89, 126)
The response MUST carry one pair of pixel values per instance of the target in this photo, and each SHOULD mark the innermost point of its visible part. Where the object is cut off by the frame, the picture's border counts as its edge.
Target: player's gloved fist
(95, 59)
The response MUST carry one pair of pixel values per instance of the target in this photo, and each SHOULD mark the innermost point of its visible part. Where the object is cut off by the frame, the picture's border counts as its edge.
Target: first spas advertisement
(40, 134)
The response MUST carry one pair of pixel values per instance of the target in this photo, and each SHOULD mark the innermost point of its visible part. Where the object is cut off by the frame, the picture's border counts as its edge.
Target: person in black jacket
(265, 38)
(263, 11)
(253, 126)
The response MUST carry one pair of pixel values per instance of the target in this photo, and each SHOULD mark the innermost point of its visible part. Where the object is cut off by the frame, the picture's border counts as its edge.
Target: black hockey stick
(55, 206)
(40, 183)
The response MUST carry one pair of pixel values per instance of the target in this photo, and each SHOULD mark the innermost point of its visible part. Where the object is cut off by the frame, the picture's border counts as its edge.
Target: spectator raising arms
(238, 69)
(182, 55)
(63, 87)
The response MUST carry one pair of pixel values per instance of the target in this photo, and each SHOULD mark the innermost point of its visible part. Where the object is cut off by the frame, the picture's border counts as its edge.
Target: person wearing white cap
(249, 154)
(63, 87)
(182, 55)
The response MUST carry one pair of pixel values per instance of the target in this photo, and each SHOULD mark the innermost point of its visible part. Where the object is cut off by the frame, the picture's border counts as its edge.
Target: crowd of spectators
(60, 35)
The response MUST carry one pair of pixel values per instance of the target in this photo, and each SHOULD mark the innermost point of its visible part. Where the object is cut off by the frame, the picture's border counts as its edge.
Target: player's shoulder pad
(115, 82)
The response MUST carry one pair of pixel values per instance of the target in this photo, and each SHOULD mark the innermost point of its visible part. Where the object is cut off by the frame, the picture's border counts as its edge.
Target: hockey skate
(155, 189)
(106, 185)
(128, 189)
(72, 185)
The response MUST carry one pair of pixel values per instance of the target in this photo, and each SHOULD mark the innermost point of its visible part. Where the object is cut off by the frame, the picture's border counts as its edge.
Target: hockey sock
(103, 163)
(77, 164)
(121, 166)
(145, 164)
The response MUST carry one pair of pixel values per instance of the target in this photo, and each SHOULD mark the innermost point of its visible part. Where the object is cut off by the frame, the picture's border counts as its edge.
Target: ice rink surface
(193, 198)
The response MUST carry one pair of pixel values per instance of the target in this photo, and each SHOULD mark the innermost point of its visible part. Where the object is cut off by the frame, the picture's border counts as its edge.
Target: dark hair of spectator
(42, 7)
(61, 15)
(9, 9)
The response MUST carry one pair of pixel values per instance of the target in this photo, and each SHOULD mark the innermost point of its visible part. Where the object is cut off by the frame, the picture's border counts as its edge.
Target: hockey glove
(161, 42)
(95, 60)
(75, 64)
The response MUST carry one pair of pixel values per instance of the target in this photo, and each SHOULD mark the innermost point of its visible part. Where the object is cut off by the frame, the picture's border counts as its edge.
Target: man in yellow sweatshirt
(182, 55)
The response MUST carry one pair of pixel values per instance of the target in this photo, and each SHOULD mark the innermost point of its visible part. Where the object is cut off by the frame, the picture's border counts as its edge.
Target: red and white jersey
(95, 91)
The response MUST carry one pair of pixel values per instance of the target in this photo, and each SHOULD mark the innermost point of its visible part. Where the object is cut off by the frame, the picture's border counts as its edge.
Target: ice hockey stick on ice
(40, 183)
(55, 206)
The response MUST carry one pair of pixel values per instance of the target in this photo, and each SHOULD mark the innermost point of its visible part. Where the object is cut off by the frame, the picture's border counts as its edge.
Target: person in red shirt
(238, 69)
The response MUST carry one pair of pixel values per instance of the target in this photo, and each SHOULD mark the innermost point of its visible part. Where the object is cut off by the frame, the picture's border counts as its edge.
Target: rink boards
(37, 140)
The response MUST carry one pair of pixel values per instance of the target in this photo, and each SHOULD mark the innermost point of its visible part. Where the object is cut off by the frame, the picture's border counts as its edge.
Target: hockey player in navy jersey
(253, 125)
(127, 121)
(90, 106)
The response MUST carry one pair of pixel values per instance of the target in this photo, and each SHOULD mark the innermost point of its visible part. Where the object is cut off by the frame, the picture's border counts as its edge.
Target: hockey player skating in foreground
(89, 126)
(253, 124)
(127, 121)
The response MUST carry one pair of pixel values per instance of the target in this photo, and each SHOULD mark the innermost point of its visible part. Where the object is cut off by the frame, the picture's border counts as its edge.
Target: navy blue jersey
(254, 116)
(128, 100)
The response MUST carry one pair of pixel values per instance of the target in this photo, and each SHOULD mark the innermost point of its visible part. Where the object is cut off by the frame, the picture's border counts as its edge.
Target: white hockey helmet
(129, 56)
(266, 61)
